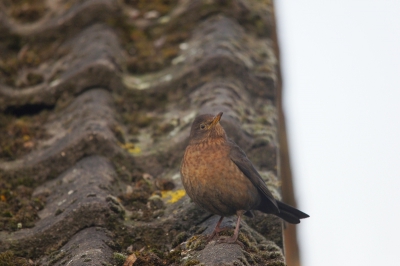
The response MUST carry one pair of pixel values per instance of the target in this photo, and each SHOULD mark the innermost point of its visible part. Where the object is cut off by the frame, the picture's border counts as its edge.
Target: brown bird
(218, 176)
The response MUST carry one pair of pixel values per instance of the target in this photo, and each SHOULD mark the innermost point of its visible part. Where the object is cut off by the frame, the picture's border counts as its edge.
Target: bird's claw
(230, 240)
(216, 233)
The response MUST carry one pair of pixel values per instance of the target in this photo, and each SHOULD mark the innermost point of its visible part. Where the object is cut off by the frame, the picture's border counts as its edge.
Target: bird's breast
(202, 163)
(213, 180)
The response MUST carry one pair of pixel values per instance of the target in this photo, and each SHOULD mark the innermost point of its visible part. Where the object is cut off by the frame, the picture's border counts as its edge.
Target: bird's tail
(289, 213)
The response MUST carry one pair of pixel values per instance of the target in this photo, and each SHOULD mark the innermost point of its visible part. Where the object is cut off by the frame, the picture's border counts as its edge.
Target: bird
(219, 177)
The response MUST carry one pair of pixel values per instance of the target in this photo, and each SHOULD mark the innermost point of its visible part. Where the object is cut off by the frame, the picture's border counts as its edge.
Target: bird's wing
(238, 156)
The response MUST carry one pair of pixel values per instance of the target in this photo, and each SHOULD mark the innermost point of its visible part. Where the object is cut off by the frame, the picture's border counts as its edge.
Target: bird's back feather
(237, 155)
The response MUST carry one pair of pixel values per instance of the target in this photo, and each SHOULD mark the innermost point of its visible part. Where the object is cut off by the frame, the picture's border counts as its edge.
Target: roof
(112, 87)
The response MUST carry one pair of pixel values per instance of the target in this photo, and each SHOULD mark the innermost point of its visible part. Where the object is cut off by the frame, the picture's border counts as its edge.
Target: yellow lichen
(173, 195)
(130, 147)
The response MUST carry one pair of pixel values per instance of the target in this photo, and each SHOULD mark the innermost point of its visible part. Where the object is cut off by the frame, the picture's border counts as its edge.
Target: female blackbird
(218, 176)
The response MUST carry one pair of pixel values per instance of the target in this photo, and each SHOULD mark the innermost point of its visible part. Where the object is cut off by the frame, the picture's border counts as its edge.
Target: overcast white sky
(341, 67)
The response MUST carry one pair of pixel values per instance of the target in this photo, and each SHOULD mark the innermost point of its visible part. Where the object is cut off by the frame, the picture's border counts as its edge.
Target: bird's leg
(217, 229)
(233, 239)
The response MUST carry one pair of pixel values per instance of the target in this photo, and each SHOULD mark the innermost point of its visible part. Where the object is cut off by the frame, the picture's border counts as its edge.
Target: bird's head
(206, 127)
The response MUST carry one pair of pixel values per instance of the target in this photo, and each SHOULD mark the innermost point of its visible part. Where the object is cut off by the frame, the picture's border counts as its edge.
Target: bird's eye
(202, 126)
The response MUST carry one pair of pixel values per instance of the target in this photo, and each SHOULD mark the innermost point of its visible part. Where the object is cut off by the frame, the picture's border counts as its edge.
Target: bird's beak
(216, 119)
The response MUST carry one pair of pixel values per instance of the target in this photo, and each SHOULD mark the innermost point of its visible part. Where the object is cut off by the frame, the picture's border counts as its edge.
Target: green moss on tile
(119, 258)
(26, 10)
(197, 242)
(8, 258)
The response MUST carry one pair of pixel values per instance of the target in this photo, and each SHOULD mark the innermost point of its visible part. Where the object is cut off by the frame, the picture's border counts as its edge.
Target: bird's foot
(230, 240)
(216, 232)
